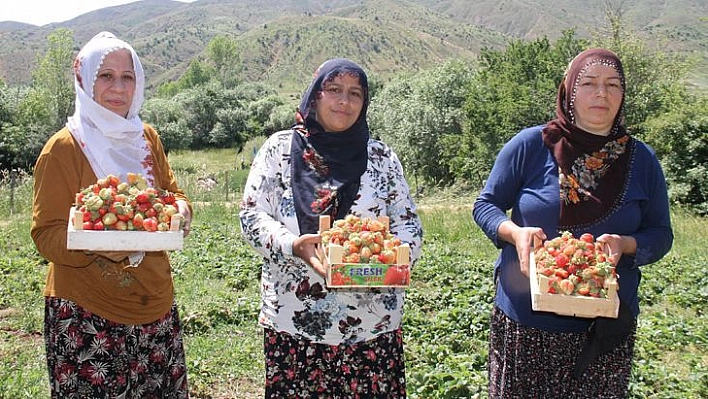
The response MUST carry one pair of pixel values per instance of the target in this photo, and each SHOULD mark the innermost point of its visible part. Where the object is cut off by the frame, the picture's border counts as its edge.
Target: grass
(447, 308)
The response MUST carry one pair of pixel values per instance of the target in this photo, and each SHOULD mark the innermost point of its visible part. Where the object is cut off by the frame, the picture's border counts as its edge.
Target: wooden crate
(571, 305)
(112, 240)
(357, 275)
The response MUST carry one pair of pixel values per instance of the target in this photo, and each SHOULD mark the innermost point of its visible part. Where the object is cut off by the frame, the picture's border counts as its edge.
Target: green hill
(281, 41)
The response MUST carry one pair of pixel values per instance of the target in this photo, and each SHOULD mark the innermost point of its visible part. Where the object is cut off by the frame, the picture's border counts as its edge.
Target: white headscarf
(112, 144)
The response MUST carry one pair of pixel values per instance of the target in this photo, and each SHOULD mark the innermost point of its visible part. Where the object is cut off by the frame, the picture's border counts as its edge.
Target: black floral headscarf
(593, 169)
(326, 166)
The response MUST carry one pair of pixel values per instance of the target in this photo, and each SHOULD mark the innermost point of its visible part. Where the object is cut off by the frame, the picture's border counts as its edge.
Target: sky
(42, 12)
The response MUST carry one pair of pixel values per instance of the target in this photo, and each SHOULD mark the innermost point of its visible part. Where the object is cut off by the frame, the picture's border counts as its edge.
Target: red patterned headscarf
(592, 169)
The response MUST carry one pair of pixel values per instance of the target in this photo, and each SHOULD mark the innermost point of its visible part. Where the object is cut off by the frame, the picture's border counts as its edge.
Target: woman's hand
(616, 246)
(183, 209)
(523, 239)
(307, 247)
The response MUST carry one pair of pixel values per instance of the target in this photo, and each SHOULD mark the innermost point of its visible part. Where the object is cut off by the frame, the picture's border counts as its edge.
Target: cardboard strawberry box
(113, 240)
(342, 274)
(571, 305)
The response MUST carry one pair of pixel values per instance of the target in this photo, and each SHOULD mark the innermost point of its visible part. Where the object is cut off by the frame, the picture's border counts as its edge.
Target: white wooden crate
(571, 305)
(112, 240)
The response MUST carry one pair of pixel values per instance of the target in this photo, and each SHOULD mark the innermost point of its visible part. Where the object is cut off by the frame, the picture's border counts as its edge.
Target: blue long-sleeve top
(524, 179)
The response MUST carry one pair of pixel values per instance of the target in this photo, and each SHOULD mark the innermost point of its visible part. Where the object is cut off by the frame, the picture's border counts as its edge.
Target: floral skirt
(91, 357)
(530, 363)
(300, 369)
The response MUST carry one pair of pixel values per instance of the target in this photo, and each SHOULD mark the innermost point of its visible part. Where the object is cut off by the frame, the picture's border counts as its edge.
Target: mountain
(282, 41)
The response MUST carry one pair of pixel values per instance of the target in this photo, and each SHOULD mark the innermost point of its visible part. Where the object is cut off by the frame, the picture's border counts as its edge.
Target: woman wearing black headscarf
(320, 342)
(582, 172)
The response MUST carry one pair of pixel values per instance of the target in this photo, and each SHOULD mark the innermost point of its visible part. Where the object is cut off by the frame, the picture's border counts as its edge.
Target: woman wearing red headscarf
(581, 172)
(320, 342)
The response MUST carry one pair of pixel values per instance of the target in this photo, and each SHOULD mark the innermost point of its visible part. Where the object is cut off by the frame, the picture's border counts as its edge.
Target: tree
(5, 107)
(28, 116)
(222, 51)
(226, 118)
(281, 117)
(413, 114)
(168, 118)
(680, 138)
(198, 73)
(52, 80)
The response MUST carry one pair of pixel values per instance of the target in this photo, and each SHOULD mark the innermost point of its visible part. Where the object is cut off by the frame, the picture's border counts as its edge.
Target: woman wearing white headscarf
(110, 330)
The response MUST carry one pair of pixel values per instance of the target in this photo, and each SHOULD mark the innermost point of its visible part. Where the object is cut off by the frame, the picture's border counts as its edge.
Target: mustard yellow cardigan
(123, 295)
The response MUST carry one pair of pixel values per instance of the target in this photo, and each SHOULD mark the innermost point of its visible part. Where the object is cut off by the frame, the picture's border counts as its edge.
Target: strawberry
(337, 278)
(562, 260)
(150, 224)
(587, 237)
(142, 198)
(109, 219)
(566, 286)
(168, 198)
(364, 240)
(397, 275)
(138, 221)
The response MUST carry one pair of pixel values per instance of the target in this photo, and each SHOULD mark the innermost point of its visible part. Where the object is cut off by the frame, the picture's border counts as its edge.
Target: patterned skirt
(530, 363)
(302, 369)
(91, 357)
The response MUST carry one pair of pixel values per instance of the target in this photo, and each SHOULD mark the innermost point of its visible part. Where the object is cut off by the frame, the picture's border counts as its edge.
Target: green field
(448, 304)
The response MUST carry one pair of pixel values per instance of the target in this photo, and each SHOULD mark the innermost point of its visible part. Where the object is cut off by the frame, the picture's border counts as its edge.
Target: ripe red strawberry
(150, 224)
(138, 221)
(168, 198)
(142, 198)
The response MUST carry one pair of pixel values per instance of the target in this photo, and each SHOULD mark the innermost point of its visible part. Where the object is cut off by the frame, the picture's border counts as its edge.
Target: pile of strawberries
(364, 240)
(576, 266)
(110, 204)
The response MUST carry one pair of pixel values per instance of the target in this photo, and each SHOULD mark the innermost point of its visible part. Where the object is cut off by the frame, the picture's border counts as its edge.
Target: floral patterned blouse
(294, 296)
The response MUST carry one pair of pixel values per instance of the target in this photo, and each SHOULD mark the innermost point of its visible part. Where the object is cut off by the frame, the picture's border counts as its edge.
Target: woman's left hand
(183, 209)
(616, 246)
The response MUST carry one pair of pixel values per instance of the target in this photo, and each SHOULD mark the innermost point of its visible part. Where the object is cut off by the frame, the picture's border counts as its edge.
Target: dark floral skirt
(302, 369)
(91, 357)
(530, 363)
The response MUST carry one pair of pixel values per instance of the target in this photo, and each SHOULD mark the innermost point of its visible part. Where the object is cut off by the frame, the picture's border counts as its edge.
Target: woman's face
(115, 82)
(598, 99)
(340, 103)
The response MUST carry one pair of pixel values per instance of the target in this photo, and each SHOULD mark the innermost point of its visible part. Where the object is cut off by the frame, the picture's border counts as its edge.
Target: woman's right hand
(307, 247)
(523, 239)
